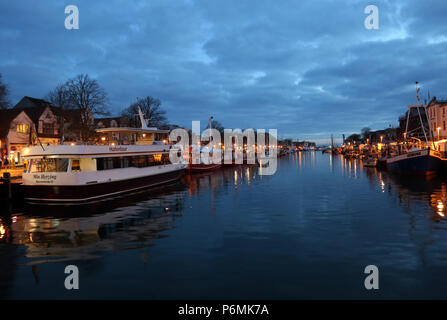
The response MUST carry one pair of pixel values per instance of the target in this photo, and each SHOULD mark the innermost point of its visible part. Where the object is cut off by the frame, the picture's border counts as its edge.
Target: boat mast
(143, 121)
(209, 125)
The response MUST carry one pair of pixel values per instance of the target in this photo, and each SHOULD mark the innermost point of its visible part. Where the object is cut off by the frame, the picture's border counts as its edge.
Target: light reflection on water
(306, 232)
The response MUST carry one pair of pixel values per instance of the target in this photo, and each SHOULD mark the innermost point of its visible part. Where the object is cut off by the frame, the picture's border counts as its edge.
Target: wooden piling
(7, 185)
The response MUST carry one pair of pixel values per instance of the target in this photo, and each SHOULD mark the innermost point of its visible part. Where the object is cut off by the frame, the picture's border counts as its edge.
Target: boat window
(125, 163)
(135, 161)
(75, 165)
(49, 165)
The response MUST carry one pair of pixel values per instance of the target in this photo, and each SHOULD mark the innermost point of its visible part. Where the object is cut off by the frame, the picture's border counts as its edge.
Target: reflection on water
(65, 233)
(245, 235)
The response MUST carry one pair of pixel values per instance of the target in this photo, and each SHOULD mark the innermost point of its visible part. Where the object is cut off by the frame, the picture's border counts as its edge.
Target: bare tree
(151, 108)
(365, 132)
(4, 92)
(60, 97)
(86, 95)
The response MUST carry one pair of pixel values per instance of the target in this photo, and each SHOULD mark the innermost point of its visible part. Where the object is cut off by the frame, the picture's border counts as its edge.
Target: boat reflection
(62, 233)
(410, 190)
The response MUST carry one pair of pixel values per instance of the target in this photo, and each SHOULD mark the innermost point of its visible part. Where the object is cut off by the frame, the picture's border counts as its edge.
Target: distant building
(48, 120)
(437, 118)
(15, 134)
(386, 135)
(304, 144)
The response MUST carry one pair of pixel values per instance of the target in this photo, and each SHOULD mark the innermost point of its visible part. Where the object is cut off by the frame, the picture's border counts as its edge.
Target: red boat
(201, 167)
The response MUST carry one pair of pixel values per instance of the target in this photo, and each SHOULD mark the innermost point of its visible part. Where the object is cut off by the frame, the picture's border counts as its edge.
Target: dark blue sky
(307, 68)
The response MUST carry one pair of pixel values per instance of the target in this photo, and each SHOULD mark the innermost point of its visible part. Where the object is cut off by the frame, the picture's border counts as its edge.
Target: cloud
(307, 68)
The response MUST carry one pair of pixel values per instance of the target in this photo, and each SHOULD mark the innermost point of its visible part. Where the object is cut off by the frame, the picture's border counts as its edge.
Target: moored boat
(418, 161)
(131, 161)
(370, 162)
(418, 153)
(202, 167)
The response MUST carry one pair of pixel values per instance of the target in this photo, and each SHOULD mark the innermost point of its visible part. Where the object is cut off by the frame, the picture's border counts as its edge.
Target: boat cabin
(133, 136)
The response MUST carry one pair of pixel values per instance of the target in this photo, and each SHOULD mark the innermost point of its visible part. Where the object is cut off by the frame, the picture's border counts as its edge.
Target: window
(75, 165)
(125, 163)
(135, 161)
(141, 161)
(443, 125)
(23, 128)
(49, 165)
(48, 128)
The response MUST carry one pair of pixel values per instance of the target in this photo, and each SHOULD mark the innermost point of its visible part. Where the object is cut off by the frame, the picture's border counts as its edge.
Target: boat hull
(203, 167)
(92, 192)
(424, 162)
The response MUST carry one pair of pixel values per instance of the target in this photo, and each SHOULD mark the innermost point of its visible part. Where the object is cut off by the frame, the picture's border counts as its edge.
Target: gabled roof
(35, 107)
(6, 116)
(38, 102)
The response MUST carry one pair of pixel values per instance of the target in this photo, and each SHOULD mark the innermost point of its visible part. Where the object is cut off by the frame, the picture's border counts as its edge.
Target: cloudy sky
(306, 67)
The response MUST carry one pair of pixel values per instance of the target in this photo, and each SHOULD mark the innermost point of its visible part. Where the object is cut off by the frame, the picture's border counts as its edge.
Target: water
(306, 232)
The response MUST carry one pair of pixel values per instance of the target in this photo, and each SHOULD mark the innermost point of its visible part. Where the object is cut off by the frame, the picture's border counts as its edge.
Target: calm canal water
(306, 232)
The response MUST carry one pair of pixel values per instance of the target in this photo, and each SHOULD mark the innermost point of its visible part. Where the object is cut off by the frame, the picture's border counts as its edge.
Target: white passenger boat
(130, 159)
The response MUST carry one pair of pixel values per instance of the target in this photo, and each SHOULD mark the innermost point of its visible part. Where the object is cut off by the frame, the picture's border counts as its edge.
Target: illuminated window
(75, 165)
(23, 128)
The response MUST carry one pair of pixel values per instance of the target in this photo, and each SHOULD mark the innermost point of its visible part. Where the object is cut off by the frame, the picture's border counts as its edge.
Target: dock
(10, 187)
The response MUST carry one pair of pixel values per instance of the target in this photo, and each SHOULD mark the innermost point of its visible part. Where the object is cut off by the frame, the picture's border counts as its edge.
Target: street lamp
(381, 139)
(438, 128)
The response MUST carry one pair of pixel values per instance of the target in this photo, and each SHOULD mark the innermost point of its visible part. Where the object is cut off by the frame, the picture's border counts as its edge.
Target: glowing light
(103, 138)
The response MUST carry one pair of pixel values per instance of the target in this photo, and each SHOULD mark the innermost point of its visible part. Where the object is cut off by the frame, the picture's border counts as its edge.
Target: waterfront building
(437, 118)
(15, 134)
(46, 119)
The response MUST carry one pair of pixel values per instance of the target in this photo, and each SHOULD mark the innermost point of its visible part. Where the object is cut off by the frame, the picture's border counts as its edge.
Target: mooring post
(7, 182)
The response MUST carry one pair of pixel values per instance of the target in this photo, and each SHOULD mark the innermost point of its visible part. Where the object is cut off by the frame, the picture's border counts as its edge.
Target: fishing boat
(418, 161)
(381, 162)
(414, 155)
(130, 159)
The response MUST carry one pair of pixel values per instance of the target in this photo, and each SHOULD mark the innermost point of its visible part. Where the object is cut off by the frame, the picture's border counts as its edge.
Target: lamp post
(438, 128)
